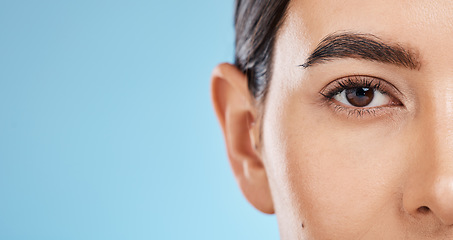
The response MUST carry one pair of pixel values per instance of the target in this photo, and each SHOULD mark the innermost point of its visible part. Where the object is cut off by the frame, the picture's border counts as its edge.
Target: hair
(256, 25)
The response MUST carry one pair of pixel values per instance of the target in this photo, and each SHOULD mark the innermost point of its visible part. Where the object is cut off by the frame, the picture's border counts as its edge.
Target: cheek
(334, 177)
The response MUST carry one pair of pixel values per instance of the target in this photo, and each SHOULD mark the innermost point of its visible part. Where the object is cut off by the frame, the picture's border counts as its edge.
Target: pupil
(361, 92)
(359, 97)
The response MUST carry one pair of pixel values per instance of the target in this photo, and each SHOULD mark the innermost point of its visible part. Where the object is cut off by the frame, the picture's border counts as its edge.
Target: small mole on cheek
(302, 225)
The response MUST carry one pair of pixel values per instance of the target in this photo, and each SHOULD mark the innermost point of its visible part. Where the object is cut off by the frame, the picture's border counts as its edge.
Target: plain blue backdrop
(106, 125)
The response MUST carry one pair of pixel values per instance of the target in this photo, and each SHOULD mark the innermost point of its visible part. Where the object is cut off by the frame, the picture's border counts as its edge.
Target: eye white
(379, 99)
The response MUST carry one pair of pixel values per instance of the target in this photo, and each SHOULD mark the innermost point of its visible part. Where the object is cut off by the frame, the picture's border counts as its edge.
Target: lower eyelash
(359, 113)
(355, 112)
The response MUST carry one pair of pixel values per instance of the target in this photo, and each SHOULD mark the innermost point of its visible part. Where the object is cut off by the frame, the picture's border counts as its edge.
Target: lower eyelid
(355, 112)
(361, 113)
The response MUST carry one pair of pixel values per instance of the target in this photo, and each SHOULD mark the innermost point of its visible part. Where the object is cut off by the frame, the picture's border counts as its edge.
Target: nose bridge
(430, 183)
(438, 119)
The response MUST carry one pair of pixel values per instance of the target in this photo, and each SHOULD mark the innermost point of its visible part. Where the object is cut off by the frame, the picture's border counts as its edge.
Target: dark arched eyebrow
(362, 46)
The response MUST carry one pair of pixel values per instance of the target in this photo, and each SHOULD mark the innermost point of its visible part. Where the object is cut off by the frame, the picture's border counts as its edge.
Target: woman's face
(358, 143)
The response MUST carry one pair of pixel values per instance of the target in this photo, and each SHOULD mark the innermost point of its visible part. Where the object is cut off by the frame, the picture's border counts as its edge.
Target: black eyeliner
(355, 81)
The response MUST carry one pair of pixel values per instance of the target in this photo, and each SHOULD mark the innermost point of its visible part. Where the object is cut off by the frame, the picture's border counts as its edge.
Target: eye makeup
(360, 96)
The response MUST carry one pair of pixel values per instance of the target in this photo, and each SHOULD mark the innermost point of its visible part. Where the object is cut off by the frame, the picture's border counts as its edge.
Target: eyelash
(356, 81)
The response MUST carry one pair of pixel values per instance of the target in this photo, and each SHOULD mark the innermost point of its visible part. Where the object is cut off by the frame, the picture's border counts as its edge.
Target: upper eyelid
(382, 82)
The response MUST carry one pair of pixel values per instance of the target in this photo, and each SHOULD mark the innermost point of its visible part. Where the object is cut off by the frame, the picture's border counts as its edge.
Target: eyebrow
(362, 46)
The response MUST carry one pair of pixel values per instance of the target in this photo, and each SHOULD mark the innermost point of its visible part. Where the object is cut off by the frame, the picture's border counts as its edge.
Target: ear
(236, 112)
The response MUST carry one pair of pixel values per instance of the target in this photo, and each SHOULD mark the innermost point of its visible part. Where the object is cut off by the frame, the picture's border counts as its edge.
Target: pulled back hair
(256, 25)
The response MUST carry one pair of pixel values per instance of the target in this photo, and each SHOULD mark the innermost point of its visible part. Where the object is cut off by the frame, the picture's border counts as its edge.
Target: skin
(330, 174)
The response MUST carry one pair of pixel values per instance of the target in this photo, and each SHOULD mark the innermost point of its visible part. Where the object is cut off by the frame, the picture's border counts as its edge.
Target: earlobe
(236, 112)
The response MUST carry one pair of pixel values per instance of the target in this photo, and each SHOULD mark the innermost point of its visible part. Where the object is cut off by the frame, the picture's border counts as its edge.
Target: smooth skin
(325, 171)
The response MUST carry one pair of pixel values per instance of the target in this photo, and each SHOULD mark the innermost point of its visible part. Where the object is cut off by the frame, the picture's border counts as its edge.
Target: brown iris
(359, 97)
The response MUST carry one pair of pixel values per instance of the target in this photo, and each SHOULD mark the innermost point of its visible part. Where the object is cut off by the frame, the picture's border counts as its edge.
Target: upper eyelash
(353, 82)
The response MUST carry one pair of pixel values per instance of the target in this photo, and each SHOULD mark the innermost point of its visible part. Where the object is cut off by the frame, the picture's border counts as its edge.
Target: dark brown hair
(256, 25)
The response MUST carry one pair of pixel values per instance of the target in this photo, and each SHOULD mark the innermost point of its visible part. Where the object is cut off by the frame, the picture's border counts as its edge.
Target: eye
(362, 97)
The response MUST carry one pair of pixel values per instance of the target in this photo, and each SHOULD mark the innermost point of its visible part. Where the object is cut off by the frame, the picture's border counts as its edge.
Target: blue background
(106, 125)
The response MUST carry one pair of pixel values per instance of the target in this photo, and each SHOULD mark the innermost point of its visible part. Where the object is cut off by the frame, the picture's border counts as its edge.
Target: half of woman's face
(358, 142)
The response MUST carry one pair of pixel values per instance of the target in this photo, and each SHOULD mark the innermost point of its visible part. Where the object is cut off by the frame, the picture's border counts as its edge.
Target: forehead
(399, 20)
(426, 26)
(402, 16)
